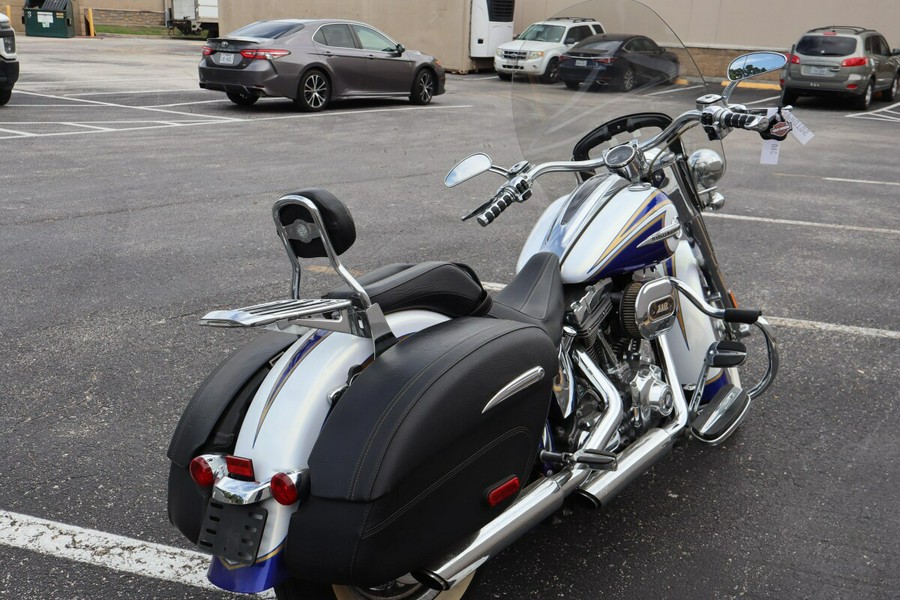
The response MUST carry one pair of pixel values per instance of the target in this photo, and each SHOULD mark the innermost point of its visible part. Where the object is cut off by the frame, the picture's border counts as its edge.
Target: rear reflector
(264, 54)
(283, 489)
(239, 467)
(202, 473)
(856, 61)
(852, 86)
(503, 491)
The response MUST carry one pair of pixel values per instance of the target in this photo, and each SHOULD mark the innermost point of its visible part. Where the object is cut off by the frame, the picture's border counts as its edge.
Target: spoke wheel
(551, 75)
(423, 88)
(627, 83)
(314, 92)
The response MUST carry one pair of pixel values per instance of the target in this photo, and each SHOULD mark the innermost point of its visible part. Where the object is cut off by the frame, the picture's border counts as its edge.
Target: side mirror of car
(400, 49)
(569, 41)
(895, 52)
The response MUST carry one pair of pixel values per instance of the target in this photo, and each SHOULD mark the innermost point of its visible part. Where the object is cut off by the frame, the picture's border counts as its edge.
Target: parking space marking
(769, 99)
(804, 223)
(865, 181)
(678, 89)
(107, 550)
(85, 125)
(179, 91)
(217, 101)
(888, 113)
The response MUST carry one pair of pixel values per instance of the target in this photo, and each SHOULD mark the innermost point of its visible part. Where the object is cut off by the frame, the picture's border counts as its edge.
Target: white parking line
(877, 115)
(804, 223)
(15, 134)
(679, 89)
(769, 99)
(833, 328)
(86, 126)
(867, 181)
(133, 92)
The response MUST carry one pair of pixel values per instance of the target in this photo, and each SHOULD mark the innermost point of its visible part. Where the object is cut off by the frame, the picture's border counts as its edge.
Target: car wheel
(504, 76)
(572, 85)
(243, 97)
(314, 91)
(5, 95)
(551, 73)
(863, 101)
(423, 88)
(788, 97)
(890, 94)
(626, 83)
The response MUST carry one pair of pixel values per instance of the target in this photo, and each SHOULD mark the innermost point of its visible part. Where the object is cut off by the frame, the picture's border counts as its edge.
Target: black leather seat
(448, 288)
(534, 296)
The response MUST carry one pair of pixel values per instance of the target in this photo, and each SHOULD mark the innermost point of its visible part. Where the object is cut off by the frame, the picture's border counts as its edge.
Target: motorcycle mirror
(755, 64)
(468, 168)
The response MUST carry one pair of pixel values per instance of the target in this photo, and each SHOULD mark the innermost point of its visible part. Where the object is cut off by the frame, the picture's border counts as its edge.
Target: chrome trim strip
(526, 379)
(234, 491)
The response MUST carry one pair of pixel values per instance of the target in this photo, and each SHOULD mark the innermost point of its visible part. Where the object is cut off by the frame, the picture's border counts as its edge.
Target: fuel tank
(604, 227)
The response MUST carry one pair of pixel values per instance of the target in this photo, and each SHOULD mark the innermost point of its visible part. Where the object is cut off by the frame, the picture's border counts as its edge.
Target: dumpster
(49, 18)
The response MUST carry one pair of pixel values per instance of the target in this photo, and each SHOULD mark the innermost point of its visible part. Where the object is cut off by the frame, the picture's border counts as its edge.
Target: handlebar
(500, 202)
(741, 121)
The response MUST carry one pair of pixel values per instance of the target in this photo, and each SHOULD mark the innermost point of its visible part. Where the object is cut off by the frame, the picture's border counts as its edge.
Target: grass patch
(144, 30)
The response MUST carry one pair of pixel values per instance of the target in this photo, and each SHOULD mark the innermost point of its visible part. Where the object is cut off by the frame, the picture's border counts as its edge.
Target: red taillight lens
(202, 473)
(284, 490)
(264, 54)
(856, 61)
(795, 60)
(608, 60)
(239, 467)
(503, 491)
(207, 50)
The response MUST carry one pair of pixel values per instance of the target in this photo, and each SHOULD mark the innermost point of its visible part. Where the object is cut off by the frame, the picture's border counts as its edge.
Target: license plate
(819, 71)
(580, 63)
(226, 59)
(232, 532)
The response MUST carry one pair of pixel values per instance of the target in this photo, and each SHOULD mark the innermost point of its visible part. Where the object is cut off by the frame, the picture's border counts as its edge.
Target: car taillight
(284, 490)
(795, 60)
(239, 467)
(607, 60)
(207, 50)
(264, 54)
(856, 61)
(202, 473)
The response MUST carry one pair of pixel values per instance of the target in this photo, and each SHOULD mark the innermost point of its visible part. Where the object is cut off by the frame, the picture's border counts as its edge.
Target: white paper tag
(799, 131)
(769, 154)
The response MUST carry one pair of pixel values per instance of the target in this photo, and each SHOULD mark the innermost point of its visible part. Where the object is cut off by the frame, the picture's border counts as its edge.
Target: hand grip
(741, 121)
(493, 211)
(741, 315)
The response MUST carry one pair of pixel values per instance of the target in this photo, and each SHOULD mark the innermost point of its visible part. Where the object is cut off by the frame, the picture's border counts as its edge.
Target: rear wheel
(890, 94)
(243, 97)
(5, 95)
(788, 97)
(863, 101)
(314, 91)
(423, 88)
(551, 73)
(572, 85)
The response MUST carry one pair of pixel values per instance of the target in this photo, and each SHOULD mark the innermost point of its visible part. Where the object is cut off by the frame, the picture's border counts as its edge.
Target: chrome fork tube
(537, 502)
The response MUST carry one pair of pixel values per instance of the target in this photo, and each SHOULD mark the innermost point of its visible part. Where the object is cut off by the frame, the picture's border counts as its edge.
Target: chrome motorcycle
(388, 439)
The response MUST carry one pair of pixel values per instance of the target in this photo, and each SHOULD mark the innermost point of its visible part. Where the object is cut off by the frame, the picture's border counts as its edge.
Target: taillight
(264, 54)
(207, 50)
(241, 468)
(202, 473)
(284, 490)
(607, 60)
(795, 60)
(856, 61)
(503, 491)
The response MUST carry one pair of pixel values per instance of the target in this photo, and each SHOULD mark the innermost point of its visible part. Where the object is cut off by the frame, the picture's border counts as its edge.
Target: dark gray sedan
(315, 61)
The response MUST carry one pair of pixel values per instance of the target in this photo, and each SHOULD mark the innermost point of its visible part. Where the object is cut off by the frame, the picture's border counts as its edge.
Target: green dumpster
(49, 18)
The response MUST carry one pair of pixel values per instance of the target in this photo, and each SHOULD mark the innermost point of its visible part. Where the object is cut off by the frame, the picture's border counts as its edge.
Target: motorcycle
(387, 439)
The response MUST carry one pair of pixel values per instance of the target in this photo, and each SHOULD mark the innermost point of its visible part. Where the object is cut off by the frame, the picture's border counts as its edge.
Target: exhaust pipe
(634, 461)
(539, 500)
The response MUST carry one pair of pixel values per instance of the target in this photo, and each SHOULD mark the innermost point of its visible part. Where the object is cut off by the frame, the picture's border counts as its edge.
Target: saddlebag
(426, 446)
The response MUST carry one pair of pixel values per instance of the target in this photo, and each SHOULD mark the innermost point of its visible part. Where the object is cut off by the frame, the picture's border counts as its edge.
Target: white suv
(536, 50)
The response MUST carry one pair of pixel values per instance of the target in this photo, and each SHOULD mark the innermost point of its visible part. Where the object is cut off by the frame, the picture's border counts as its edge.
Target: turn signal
(503, 491)
(202, 473)
(284, 490)
(264, 54)
(795, 60)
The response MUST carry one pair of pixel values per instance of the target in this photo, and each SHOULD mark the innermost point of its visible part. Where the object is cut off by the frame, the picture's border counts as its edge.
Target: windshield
(266, 29)
(551, 118)
(822, 45)
(543, 33)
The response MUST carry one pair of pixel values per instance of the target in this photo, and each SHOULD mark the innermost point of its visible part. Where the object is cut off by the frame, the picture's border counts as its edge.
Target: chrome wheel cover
(315, 91)
(425, 87)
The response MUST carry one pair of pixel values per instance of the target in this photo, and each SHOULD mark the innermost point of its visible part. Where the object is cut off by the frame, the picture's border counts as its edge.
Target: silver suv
(841, 60)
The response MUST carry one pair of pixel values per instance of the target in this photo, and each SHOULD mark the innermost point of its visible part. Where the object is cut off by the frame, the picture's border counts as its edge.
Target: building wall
(111, 12)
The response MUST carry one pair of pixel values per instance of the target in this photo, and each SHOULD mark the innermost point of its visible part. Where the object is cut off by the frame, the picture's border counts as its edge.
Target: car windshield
(543, 33)
(599, 46)
(826, 45)
(266, 29)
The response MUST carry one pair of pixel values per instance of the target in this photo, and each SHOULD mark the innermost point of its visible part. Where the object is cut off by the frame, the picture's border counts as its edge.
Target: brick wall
(129, 18)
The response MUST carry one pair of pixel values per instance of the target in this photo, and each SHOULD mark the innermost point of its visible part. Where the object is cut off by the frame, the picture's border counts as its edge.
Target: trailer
(193, 16)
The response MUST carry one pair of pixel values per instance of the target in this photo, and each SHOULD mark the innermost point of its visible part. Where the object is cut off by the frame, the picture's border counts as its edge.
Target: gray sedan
(315, 61)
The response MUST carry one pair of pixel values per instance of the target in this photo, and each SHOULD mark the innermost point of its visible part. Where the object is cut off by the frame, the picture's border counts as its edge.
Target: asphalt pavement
(132, 202)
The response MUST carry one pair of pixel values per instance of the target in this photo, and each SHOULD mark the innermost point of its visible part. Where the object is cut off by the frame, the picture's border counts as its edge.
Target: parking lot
(132, 202)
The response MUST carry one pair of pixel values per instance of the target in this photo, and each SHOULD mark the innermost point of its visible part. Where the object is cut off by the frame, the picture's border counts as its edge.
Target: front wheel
(423, 88)
(396, 590)
(504, 76)
(551, 73)
(890, 94)
(314, 91)
(627, 82)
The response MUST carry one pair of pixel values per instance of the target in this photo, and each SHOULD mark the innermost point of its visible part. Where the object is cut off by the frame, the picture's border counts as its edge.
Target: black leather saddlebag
(406, 461)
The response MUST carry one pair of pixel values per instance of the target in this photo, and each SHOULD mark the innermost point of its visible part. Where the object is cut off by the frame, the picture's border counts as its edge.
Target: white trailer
(193, 16)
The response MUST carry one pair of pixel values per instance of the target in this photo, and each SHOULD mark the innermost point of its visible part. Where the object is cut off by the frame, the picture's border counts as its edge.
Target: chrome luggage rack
(356, 316)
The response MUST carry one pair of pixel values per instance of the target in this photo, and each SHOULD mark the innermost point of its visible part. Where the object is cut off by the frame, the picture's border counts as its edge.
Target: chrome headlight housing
(533, 54)
(707, 166)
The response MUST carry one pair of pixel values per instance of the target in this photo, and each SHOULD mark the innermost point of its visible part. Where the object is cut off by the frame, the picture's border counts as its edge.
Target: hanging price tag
(769, 154)
(799, 131)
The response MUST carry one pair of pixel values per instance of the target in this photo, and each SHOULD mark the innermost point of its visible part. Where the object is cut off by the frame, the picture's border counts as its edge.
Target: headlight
(499, 52)
(707, 166)
(535, 54)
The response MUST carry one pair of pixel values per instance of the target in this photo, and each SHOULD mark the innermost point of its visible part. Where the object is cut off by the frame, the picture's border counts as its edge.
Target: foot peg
(593, 459)
(721, 415)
